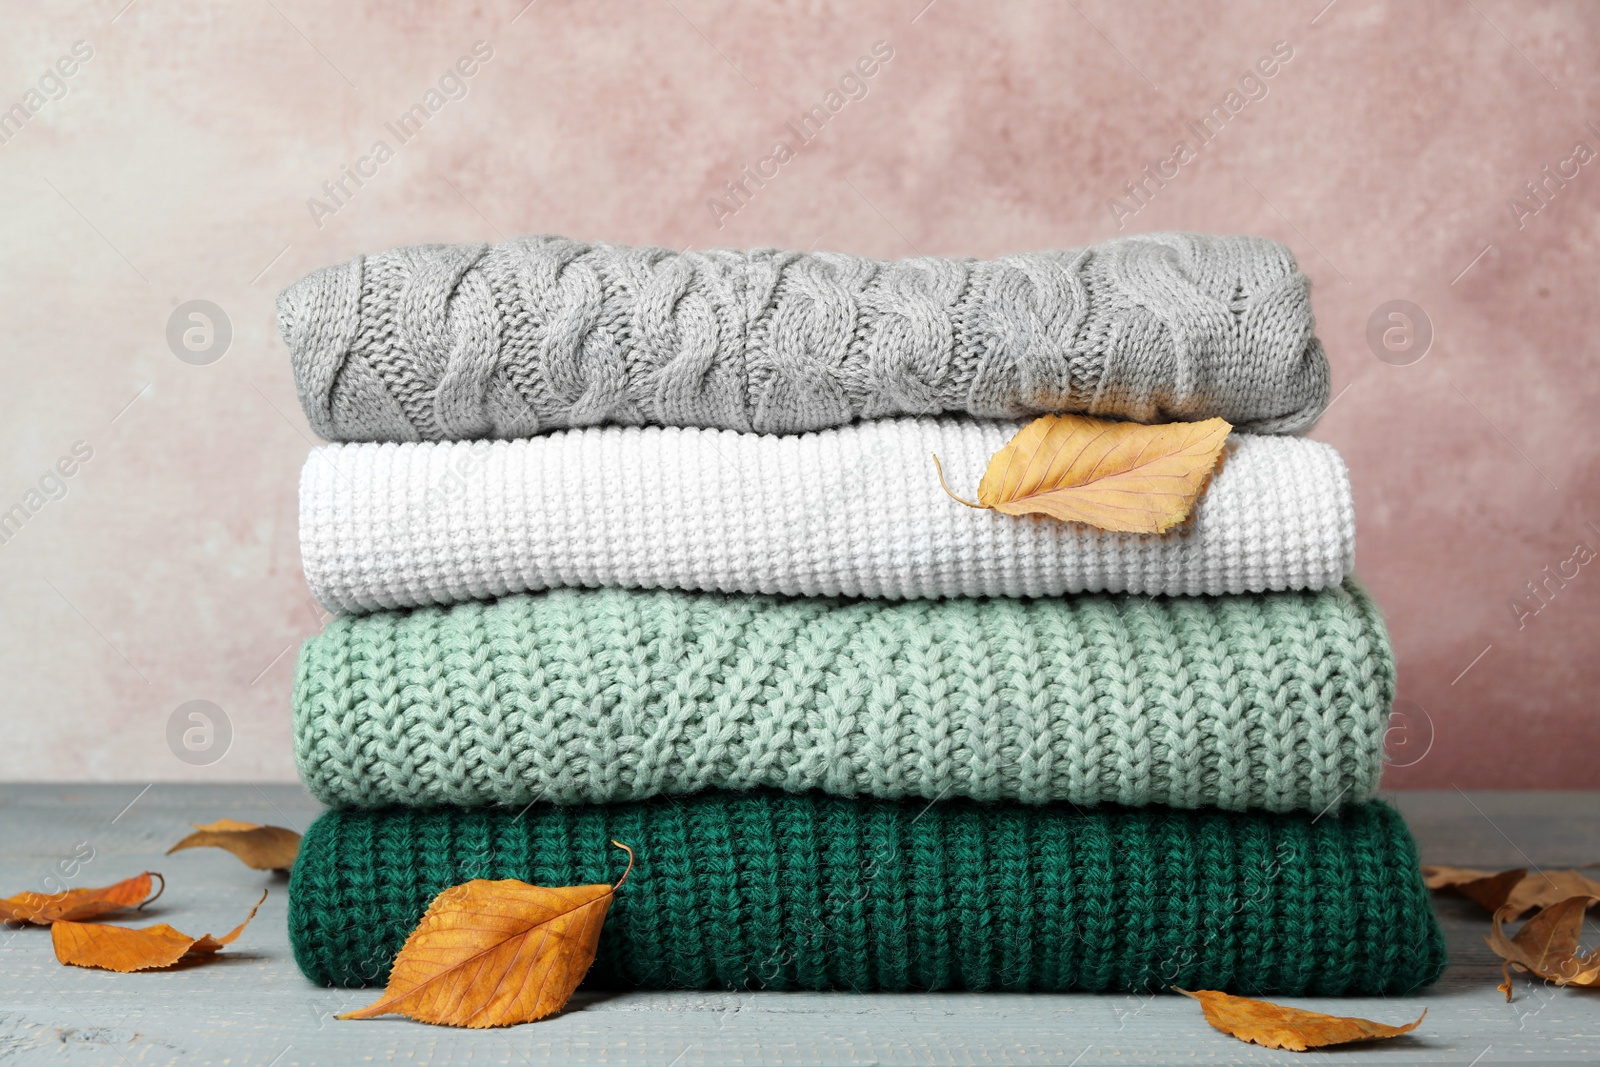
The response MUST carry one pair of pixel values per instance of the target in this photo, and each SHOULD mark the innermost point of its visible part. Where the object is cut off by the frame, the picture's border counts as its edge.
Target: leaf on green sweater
(78, 905)
(1262, 1022)
(1547, 945)
(1515, 890)
(1125, 477)
(266, 848)
(496, 953)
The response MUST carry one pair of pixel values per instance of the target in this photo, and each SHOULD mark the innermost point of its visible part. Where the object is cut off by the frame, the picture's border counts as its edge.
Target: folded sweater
(1276, 701)
(769, 891)
(856, 511)
(457, 342)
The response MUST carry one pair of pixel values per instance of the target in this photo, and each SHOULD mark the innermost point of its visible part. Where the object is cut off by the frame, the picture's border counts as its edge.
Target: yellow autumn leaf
(1124, 477)
(496, 953)
(1262, 1022)
(125, 949)
(265, 848)
(80, 905)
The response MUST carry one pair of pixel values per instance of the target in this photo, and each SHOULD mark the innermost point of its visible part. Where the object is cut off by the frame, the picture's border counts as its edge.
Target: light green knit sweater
(1275, 701)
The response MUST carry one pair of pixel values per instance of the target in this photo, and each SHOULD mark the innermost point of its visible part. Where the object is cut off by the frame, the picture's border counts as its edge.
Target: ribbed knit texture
(856, 511)
(1275, 701)
(458, 342)
(766, 891)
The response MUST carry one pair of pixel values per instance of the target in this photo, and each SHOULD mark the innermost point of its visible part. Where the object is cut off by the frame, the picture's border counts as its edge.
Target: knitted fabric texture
(767, 891)
(458, 342)
(855, 511)
(1275, 701)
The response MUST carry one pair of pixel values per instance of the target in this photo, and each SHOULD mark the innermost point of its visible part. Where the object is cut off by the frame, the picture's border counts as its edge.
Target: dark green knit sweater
(778, 891)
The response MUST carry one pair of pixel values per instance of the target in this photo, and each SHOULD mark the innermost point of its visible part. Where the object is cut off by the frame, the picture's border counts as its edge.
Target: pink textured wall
(174, 164)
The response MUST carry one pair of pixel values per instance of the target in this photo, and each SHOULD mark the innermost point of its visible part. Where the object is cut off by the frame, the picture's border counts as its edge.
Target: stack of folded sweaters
(648, 545)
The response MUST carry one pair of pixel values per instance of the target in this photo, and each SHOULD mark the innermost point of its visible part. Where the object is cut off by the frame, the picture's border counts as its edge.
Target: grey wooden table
(252, 1007)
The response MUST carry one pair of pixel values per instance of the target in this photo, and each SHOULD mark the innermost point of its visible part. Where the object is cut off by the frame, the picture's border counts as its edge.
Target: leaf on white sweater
(1124, 477)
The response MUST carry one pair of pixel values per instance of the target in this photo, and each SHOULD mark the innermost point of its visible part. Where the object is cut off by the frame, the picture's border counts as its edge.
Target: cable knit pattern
(764, 891)
(460, 342)
(1277, 701)
(855, 511)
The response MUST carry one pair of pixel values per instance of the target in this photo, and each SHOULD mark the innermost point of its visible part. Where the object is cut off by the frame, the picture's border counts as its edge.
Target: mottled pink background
(179, 163)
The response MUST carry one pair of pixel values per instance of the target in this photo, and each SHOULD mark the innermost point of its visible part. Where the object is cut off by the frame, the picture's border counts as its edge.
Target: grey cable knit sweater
(458, 342)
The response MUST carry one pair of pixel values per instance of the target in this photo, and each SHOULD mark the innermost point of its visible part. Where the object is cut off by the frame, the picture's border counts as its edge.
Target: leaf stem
(945, 486)
(163, 889)
(627, 872)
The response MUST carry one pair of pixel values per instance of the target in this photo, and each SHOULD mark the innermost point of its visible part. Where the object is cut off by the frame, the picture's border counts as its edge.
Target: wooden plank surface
(252, 1007)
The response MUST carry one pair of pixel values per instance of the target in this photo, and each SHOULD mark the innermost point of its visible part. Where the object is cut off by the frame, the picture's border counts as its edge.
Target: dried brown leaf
(120, 948)
(1275, 1026)
(1515, 889)
(1120, 476)
(1547, 945)
(78, 905)
(1544, 888)
(1489, 890)
(496, 953)
(266, 848)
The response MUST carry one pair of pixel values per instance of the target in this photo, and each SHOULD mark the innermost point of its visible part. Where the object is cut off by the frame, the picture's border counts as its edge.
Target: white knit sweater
(855, 511)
